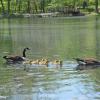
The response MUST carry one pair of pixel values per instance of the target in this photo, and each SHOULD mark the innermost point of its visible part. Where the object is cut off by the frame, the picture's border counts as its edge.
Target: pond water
(52, 38)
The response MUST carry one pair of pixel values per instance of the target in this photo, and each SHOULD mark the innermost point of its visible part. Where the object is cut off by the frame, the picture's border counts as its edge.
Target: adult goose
(87, 61)
(16, 59)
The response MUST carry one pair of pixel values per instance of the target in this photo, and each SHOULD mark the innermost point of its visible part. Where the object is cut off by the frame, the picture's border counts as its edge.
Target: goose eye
(27, 48)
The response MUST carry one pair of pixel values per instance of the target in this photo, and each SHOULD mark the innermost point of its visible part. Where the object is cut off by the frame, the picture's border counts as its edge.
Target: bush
(90, 9)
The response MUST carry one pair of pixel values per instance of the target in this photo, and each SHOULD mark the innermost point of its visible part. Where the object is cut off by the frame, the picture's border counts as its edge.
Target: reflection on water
(62, 38)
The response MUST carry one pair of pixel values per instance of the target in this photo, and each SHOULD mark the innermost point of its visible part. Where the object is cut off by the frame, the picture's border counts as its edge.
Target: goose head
(26, 48)
(5, 57)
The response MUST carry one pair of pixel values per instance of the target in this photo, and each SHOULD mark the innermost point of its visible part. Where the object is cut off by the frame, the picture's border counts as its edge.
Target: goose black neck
(24, 53)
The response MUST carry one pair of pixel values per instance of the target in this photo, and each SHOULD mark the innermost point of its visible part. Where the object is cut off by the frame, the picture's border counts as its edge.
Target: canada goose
(57, 62)
(44, 62)
(15, 59)
(34, 61)
(37, 62)
(87, 61)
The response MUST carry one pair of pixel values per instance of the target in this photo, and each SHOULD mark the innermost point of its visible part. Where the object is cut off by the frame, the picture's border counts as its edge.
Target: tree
(35, 4)
(84, 4)
(19, 6)
(42, 3)
(3, 9)
(9, 7)
(96, 6)
(28, 6)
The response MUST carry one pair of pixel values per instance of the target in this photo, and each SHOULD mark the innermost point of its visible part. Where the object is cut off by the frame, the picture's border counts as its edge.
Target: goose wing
(14, 58)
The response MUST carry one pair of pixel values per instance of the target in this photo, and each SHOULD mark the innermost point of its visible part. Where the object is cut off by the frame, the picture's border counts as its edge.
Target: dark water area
(52, 38)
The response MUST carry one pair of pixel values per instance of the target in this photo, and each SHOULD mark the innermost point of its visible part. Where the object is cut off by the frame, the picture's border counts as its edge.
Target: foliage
(36, 6)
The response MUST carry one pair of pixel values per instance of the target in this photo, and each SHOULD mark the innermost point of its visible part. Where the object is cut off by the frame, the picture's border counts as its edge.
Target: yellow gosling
(34, 61)
(27, 62)
(57, 62)
(43, 62)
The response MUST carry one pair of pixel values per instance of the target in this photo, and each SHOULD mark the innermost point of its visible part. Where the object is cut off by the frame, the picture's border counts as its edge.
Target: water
(61, 38)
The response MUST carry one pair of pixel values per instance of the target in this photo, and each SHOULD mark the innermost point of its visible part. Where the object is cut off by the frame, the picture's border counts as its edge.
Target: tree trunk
(19, 6)
(96, 6)
(8, 7)
(28, 6)
(3, 9)
(35, 6)
(16, 6)
(43, 6)
(74, 3)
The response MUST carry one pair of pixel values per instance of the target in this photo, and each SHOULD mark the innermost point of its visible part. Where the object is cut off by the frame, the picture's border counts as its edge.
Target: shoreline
(47, 15)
